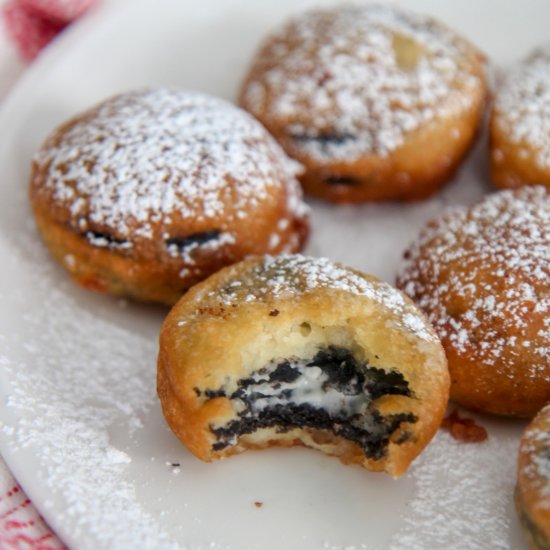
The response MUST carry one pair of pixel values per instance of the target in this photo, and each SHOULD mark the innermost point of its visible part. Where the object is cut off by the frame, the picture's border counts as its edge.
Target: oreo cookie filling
(103, 239)
(184, 247)
(342, 180)
(197, 239)
(322, 145)
(333, 391)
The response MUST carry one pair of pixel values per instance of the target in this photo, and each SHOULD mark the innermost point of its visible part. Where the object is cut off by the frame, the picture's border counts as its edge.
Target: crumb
(464, 429)
(258, 504)
(274, 313)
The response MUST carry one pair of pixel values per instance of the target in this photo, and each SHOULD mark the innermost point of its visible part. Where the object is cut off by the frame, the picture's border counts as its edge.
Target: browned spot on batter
(92, 283)
(464, 429)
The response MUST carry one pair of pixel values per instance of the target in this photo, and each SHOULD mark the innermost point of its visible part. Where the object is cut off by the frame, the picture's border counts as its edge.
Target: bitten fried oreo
(482, 276)
(376, 102)
(300, 351)
(520, 125)
(152, 191)
(532, 494)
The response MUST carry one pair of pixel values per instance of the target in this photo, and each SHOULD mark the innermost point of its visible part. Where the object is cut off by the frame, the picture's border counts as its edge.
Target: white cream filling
(306, 389)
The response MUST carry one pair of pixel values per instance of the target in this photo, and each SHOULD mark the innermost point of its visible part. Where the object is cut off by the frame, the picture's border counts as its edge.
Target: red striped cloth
(21, 526)
(33, 24)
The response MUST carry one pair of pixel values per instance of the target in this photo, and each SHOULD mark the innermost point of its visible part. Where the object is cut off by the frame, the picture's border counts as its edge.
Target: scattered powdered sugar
(456, 504)
(455, 500)
(67, 376)
(522, 105)
(356, 79)
(495, 258)
(276, 277)
(155, 156)
(330, 546)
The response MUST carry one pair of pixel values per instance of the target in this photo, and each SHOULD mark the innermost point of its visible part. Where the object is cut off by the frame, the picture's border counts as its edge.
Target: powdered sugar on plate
(66, 391)
(353, 80)
(62, 395)
(454, 500)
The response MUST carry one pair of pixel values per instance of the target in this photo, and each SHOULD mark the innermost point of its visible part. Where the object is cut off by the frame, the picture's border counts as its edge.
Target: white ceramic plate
(81, 426)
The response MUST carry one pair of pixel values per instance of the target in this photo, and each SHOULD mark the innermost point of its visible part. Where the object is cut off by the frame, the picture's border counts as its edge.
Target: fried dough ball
(482, 276)
(151, 191)
(376, 102)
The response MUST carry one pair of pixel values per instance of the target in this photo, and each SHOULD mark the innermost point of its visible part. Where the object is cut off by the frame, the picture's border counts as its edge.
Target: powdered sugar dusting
(143, 160)
(522, 106)
(288, 275)
(455, 501)
(495, 257)
(356, 79)
(68, 378)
